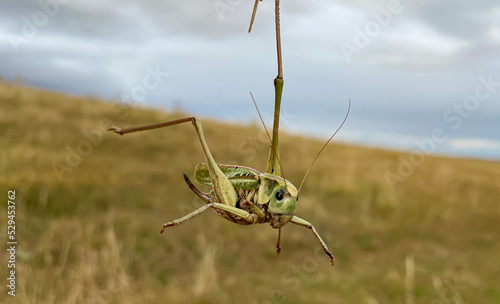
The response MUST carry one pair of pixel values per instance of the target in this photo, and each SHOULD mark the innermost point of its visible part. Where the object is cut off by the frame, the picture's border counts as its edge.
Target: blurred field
(92, 236)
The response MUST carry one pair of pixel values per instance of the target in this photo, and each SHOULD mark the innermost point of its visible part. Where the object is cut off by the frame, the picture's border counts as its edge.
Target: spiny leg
(222, 187)
(298, 221)
(181, 220)
(233, 210)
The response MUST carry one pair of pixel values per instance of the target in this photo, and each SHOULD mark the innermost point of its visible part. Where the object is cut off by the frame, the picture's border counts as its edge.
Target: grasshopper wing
(240, 177)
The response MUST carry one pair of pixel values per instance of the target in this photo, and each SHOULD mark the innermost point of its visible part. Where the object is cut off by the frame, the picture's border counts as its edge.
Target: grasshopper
(240, 194)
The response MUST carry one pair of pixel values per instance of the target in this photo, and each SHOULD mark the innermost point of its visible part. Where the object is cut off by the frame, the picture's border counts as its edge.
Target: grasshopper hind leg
(204, 196)
(208, 198)
(222, 186)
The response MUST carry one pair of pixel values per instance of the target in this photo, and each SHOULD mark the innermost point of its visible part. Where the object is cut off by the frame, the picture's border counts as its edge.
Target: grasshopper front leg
(233, 210)
(298, 221)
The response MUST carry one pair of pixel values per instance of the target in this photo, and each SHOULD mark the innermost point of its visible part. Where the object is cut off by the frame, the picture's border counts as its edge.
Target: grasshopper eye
(279, 195)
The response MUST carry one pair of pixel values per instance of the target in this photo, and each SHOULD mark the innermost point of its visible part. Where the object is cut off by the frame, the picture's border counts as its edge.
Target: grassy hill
(90, 205)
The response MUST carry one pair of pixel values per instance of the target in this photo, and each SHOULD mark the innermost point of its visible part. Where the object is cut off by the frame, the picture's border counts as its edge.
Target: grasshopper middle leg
(233, 210)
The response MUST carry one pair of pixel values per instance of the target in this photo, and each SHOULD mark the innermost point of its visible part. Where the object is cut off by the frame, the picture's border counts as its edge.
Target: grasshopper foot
(169, 224)
(331, 257)
(116, 130)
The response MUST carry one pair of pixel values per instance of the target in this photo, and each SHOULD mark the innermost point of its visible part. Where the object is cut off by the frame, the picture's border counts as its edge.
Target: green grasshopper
(240, 194)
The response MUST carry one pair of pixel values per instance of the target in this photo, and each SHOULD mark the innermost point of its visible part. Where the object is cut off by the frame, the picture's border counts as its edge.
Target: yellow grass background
(89, 232)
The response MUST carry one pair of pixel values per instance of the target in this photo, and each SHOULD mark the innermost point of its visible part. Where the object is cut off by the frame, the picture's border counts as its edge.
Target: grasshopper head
(281, 197)
(282, 205)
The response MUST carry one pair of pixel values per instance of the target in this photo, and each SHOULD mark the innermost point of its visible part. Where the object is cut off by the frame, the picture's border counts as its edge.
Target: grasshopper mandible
(240, 194)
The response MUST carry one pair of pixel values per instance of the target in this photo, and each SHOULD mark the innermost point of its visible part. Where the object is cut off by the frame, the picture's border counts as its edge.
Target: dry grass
(93, 236)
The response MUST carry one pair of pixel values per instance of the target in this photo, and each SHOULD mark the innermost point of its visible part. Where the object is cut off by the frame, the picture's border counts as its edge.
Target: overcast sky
(409, 67)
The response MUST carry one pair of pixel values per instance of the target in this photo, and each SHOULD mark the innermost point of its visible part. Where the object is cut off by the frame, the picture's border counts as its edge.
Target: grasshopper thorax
(281, 198)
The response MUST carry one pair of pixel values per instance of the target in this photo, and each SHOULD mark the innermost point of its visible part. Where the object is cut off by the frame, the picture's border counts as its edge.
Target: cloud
(428, 58)
(475, 144)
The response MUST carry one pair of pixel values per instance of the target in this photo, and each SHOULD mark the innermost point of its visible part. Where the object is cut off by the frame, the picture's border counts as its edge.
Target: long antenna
(324, 146)
(260, 116)
(268, 136)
